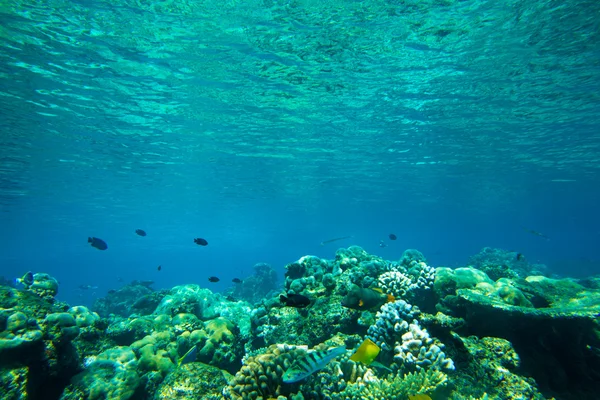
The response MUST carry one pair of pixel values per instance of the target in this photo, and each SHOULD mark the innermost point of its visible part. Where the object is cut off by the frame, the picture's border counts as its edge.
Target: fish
(377, 364)
(536, 233)
(236, 280)
(366, 298)
(213, 279)
(200, 242)
(27, 279)
(112, 291)
(519, 256)
(97, 243)
(311, 363)
(140, 232)
(188, 357)
(159, 267)
(295, 300)
(323, 243)
(392, 236)
(366, 352)
(418, 397)
(382, 244)
(87, 287)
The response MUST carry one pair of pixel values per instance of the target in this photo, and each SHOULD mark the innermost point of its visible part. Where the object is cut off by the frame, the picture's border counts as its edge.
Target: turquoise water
(269, 126)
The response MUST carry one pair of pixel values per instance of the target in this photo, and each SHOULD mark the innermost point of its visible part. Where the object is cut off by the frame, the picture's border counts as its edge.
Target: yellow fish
(418, 397)
(366, 352)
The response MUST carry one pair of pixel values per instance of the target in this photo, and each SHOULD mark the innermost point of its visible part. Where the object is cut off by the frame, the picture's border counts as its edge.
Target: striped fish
(311, 363)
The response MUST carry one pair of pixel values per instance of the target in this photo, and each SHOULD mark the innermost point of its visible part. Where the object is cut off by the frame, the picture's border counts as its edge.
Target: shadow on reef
(558, 342)
(451, 334)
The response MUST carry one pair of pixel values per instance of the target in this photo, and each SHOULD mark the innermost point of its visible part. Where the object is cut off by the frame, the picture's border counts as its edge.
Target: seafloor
(498, 328)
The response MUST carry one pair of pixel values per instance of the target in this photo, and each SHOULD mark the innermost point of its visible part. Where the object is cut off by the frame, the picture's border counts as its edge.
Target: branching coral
(392, 322)
(398, 387)
(419, 351)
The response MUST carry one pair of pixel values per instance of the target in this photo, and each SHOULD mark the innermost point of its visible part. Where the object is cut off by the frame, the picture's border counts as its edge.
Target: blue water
(269, 127)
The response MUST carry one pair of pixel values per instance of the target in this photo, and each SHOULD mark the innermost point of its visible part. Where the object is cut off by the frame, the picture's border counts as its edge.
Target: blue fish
(311, 363)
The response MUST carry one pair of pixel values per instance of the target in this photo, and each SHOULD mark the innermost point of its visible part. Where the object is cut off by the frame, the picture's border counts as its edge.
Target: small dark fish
(159, 267)
(200, 242)
(97, 243)
(393, 237)
(213, 279)
(236, 280)
(295, 300)
(382, 244)
(230, 298)
(519, 256)
(112, 291)
(140, 232)
(323, 243)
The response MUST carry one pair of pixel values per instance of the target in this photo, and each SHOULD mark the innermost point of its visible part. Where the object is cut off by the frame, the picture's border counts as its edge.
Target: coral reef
(450, 333)
(498, 263)
(193, 381)
(397, 387)
(136, 297)
(257, 286)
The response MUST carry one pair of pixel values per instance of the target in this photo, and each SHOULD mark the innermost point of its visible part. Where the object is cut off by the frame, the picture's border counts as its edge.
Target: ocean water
(267, 127)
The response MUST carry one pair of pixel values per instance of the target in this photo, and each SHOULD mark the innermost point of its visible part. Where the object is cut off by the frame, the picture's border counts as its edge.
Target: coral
(60, 328)
(449, 280)
(153, 359)
(121, 301)
(419, 351)
(255, 287)
(112, 376)
(397, 387)
(422, 274)
(491, 366)
(411, 256)
(261, 375)
(83, 316)
(392, 321)
(340, 372)
(44, 286)
(193, 381)
(126, 331)
(309, 326)
(396, 283)
(557, 340)
(13, 384)
(221, 345)
(498, 263)
(147, 304)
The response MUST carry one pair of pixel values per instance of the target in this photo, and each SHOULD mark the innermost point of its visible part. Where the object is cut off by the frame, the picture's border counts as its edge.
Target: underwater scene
(299, 199)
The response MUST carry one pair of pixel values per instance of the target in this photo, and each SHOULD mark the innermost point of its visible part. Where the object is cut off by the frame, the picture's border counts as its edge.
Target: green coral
(112, 376)
(222, 346)
(193, 381)
(13, 384)
(397, 387)
(261, 376)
